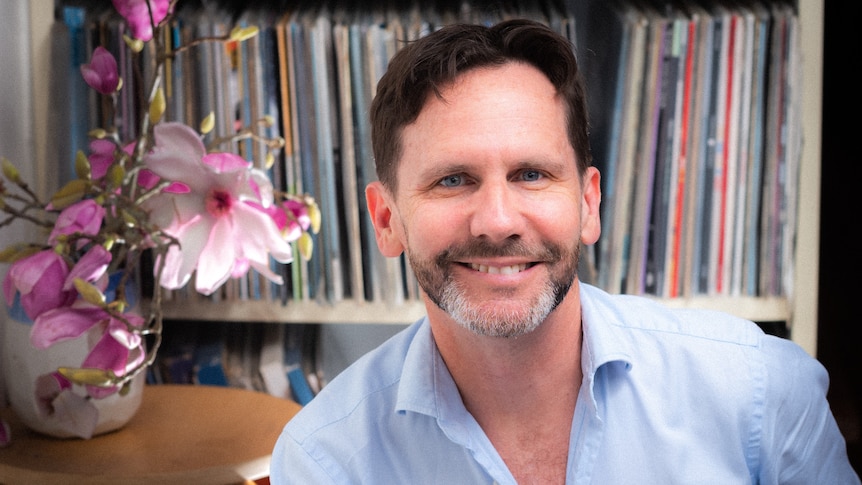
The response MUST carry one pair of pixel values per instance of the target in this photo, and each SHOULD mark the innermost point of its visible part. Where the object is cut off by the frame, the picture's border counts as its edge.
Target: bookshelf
(799, 310)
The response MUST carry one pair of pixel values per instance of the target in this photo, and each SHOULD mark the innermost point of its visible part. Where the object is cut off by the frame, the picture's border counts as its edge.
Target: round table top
(181, 434)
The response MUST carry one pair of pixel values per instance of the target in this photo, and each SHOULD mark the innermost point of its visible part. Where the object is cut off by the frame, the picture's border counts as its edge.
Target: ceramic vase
(23, 364)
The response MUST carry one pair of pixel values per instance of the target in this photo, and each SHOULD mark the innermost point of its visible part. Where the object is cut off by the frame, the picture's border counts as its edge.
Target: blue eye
(452, 181)
(531, 175)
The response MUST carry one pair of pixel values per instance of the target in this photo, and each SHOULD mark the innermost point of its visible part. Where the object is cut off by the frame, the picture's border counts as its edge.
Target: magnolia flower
(101, 73)
(220, 233)
(118, 350)
(38, 282)
(301, 220)
(74, 318)
(75, 414)
(84, 217)
(291, 217)
(137, 14)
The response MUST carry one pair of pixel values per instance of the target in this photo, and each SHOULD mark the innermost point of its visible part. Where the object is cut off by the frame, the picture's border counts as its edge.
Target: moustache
(478, 248)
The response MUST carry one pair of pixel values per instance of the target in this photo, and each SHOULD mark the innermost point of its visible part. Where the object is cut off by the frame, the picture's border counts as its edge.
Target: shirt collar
(430, 389)
(603, 342)
(425, 388)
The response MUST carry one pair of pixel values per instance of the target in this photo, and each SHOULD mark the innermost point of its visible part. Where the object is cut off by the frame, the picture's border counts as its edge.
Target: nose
(496, 212)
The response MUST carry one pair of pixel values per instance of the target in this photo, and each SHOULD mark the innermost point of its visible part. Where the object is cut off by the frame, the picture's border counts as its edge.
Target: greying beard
(437, 283)
(497, 322)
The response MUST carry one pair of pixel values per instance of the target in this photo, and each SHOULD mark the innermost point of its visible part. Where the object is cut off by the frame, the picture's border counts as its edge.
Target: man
(519, 373)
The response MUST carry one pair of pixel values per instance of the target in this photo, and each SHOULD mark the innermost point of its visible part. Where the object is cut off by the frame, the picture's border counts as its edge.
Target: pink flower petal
(91, 267)
(39, 281)
(101, 157)
(217, 258)
(76, 414)
(258, 235)
(64, 323)
(101, 73)
(223, 162)
(137, 15)
(180, 263)
(113, 352)
(83, 217)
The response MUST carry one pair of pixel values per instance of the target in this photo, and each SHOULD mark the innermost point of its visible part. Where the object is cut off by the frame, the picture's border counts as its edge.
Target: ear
(591, 227)
(380, 210)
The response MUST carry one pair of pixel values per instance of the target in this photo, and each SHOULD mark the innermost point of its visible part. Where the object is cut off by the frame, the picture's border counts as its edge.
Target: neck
(522, 391)
(495, 373)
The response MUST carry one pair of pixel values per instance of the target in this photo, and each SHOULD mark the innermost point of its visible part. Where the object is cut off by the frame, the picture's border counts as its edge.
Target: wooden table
(181, 434)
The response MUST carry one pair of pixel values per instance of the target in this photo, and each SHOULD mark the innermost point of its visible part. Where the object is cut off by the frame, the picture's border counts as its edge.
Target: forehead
(507, 111)
(493, 91)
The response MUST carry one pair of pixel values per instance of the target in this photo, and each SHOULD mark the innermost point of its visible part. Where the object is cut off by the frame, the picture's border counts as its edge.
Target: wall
(16, 120)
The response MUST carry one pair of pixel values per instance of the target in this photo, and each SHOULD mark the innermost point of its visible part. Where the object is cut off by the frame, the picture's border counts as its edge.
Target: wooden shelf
(347, 311)
(352, 311)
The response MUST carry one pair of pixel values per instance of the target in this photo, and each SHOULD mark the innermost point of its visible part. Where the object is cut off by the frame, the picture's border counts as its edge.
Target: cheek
(561, 226)
(429, 228)
(557, 213)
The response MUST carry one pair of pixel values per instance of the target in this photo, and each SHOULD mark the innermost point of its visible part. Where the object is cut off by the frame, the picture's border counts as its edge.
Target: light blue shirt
(668, 397)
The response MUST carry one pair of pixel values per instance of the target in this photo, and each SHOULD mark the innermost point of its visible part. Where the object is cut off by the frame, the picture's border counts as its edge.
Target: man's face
(489, 207)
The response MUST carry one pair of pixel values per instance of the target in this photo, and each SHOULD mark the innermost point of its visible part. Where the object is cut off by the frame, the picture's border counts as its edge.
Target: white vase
(23, 364)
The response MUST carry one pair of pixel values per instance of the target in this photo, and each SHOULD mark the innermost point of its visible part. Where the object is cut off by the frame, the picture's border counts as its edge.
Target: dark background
(839, 347)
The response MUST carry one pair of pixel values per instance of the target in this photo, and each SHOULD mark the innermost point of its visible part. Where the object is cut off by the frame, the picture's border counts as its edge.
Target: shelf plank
(362, 312)
(347, 312)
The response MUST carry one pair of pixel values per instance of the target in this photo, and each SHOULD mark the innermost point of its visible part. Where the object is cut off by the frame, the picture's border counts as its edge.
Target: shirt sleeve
(291, 464)
(801, 442)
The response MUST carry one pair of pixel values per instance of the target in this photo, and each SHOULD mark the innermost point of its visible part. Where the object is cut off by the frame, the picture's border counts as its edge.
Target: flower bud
(11, 171)
(158, 106)
(136, 45)
(17, 251)
(240, 34)
(116, 175)
(69, 194)
(208, 123)
(90, 293)
(101, 73)
(82, 166)
(314, 215)
(97, 133)
(305, 245)
(88, 377)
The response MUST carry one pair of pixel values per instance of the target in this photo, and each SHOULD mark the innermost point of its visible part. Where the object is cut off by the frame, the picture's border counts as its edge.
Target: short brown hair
(429, 64)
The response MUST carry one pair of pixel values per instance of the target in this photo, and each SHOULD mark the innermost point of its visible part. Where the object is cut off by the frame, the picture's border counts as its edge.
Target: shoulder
(348, 419)
(698, 344)
(645, 317)
(368, 385)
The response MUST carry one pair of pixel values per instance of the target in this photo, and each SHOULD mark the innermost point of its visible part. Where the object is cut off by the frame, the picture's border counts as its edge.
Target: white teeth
(517, 268)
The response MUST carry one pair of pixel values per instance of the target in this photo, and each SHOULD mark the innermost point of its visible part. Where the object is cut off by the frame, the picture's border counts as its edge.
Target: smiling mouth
(515, 268)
